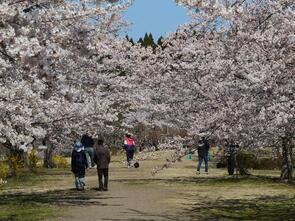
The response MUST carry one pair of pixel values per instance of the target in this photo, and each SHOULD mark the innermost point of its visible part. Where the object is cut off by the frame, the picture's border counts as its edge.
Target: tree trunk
(47, 161)
(287, 167)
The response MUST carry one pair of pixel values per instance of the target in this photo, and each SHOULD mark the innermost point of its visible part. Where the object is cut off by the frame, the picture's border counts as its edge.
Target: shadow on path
(146, 216)
(67, 197)
(210, 180)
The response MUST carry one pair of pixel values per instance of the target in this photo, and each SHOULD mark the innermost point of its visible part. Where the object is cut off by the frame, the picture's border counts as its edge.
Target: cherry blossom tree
(230, 73)
(54, 77)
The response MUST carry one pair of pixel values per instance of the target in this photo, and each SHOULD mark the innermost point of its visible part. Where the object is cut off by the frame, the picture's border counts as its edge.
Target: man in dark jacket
(88, 144)
(203, 150)
(79, 164)
(102, 158)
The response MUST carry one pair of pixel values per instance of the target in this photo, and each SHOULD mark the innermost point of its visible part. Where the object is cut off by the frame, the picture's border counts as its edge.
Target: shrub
(16, 163)
(33, 159)
(4, 170)
(59, 161)
(222, 163)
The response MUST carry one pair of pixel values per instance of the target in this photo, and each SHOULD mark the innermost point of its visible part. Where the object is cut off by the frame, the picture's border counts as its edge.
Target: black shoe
(100, 189)
(105, 189)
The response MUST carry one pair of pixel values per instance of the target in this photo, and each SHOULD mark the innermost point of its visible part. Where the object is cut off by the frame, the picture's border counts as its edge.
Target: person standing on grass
(129, 146)
(102, 158)
(79, 165)
(203, 151)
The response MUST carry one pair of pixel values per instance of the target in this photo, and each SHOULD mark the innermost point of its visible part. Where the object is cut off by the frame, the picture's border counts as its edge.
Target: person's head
(100, 141)
(128, 135)
(78, 146)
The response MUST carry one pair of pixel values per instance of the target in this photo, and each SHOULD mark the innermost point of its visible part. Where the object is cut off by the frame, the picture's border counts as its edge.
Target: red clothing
(128, 141)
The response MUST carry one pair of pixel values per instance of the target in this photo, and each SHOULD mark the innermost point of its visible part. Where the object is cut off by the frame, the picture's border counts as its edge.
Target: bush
(16, 163)
(247, 161)
(222, 163)
(33, 159)
(267, 164)
(59, 161)
(4, 170)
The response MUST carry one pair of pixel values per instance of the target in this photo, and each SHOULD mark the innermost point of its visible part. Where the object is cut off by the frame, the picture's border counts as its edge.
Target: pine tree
(140, 41)
(146, 40)
(131, 40)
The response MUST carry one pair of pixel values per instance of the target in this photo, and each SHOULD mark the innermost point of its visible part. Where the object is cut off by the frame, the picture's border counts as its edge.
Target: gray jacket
(102, 157)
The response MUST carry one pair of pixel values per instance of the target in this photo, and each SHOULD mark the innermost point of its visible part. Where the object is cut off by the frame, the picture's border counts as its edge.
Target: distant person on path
(129, 146)
(102, 158)
(88, 144)
(203, 150)
(230, 152)
(79, 164)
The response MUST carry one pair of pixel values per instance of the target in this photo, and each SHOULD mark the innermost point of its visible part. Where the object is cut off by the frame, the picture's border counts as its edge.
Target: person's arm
(72, 161)
(95, 159)
(109, 155)
(207, 145)
(125, 144)
(91, 141)
(85, 160)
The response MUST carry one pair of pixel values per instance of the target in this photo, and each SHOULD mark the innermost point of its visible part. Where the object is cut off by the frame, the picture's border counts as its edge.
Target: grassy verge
(27, 212)
(21, 198)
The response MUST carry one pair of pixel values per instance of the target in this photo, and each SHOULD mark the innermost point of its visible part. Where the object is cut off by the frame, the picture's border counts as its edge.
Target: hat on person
(78, 146)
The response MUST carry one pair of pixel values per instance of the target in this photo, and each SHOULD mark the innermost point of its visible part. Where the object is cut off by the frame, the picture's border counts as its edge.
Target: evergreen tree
(146, 40)
(131, 40)
(140, 41)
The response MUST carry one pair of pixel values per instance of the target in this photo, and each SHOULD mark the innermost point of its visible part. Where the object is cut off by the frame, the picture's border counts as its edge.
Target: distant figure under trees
(203, 151)
(129, 146)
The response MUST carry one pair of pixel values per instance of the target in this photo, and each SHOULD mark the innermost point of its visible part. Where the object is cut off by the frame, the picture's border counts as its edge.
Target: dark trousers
(230, 165)
(129, 154)
(201, 158)
(103, 178)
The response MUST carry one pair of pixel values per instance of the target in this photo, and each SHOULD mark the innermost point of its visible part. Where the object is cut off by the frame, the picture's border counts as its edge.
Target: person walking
(203, 150)
(79, 165)
(129, 146)
(102, 158)
(88, 144)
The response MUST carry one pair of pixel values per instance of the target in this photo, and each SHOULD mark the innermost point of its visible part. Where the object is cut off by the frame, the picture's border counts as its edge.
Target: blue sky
(156, 16)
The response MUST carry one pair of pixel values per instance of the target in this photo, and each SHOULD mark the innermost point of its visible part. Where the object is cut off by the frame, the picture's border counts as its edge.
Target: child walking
(79, 165)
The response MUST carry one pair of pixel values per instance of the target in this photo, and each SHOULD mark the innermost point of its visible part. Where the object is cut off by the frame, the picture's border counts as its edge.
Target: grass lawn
(49, 193)
(22, 199)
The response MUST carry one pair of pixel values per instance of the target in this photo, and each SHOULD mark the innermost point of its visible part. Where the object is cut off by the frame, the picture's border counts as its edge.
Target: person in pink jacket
(129, 146)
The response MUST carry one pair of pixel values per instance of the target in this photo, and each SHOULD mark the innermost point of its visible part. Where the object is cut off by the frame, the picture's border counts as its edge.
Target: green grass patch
(263, 208)
(31, 178)
(20, 203)
(26, 212)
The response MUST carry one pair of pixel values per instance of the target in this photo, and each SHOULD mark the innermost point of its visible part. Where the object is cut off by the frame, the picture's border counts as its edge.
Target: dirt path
(124, 202)
(133, 195)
